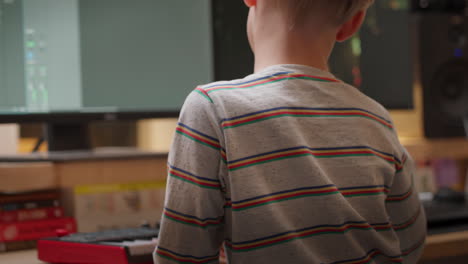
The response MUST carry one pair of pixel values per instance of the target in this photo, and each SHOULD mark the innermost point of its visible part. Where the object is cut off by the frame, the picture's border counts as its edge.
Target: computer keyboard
(120, 246)
(112, 235)
(445, 217)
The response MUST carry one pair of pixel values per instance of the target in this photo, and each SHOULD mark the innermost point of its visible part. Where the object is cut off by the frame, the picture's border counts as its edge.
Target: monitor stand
(465, 124)
(67, 136)
(71, 142)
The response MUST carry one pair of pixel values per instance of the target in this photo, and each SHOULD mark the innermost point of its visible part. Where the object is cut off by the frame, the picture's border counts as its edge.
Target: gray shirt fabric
(288, 165)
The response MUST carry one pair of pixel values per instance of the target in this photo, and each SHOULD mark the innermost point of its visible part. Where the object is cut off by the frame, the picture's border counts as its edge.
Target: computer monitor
(68, 62)
(379, 60)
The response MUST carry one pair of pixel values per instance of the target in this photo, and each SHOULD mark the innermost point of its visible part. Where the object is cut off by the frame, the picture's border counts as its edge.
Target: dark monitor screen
(379, 59)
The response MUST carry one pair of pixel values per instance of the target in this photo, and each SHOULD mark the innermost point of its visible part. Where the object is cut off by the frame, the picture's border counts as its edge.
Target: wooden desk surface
(437, 246)
(20, 257)
(446, 245)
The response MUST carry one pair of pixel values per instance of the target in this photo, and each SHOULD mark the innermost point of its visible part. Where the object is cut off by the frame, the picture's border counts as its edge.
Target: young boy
(290, 164)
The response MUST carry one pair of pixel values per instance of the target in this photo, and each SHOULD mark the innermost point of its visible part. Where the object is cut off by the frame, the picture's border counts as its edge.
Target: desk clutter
(442, 188)
(28, 216)
(98, 207)
(447, 212)
(90, 192)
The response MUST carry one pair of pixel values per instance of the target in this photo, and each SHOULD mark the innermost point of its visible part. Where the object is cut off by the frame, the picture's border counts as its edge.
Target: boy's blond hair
(335, 11)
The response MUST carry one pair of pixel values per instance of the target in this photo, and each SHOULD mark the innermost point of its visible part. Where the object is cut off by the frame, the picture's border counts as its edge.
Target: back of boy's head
(334, 12)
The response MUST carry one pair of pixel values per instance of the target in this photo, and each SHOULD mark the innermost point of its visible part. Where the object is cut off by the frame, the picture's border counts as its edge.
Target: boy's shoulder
(316, 89)
(249, 81)
(275, 75)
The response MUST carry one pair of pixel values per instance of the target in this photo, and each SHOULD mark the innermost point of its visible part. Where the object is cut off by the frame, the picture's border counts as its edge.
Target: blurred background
(87, 75)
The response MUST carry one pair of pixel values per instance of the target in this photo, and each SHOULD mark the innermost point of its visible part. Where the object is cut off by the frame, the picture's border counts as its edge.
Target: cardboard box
(16, 177)
(106, 194)
(76, 173)
(118, 205)
(100, 193)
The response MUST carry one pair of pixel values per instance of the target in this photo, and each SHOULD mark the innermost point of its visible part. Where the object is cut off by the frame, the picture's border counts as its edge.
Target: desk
(446, 245)
(20, 257)
(438, 246)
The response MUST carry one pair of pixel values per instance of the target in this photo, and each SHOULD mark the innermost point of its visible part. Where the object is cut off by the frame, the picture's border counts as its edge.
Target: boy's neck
(293, 47)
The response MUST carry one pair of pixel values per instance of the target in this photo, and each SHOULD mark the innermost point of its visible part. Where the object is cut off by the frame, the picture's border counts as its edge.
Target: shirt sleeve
(192, 222)
(406, 212)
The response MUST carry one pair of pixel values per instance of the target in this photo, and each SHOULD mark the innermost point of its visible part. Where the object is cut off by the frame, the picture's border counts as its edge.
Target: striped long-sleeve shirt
(288, 165)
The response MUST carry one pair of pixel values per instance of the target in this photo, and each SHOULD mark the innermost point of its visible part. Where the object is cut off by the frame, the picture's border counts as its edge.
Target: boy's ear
(250, 3)
(349, 28)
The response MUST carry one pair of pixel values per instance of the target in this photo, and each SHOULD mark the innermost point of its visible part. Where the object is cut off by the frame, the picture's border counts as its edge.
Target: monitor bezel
(83, 117)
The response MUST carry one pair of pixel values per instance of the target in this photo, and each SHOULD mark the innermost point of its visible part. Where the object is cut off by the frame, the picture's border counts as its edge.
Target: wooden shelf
(446, 245)
(421, 148)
